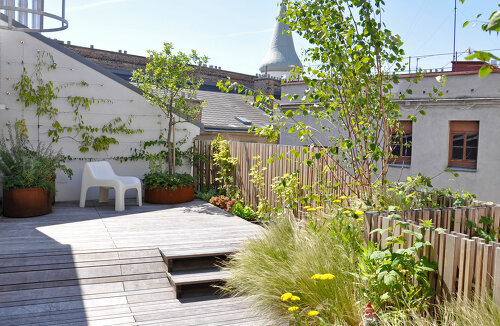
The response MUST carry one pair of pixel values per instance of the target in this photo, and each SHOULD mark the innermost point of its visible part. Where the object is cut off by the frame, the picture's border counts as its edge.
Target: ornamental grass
(290, 272)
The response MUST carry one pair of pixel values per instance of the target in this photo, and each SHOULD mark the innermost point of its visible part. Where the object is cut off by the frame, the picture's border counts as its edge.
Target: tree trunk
(169, 138)
(174, 147)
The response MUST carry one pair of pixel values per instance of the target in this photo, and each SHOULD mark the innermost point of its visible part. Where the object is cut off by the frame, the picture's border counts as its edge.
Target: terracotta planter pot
(169, 196)
(26, 202)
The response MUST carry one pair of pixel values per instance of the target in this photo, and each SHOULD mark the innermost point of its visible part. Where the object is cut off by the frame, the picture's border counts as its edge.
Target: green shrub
(283, 259)
(24, 166)
(206, 193)
(245, 212)
(160, 180)
(397, 279)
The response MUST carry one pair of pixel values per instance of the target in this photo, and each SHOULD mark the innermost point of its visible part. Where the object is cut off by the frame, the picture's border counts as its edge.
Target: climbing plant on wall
(33, 90)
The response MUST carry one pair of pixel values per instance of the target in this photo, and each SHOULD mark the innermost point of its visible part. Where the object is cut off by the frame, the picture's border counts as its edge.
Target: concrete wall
(466, 97)
(18, 47)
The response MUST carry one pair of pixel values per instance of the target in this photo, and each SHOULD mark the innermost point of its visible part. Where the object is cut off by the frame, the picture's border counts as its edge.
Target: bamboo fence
(467, 265)
(285, 161)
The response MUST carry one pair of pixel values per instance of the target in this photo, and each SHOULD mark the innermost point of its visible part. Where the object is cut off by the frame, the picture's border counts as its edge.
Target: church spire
(281, 55)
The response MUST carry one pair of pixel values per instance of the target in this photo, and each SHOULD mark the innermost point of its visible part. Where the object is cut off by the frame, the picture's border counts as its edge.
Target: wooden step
(196, 259)
(196, 283)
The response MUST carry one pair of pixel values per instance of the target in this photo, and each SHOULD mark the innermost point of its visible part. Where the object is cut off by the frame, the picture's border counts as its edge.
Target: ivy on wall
(33, 90)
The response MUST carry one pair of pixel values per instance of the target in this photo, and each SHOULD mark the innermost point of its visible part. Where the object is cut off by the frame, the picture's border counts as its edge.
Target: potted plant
(168, 81)
(164, 188)
(28, 175)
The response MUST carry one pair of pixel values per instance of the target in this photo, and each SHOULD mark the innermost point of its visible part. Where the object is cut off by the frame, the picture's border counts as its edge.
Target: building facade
(459, 131)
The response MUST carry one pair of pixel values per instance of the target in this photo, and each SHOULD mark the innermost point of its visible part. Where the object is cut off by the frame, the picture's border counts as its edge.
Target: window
(464, 140)
(401, 143)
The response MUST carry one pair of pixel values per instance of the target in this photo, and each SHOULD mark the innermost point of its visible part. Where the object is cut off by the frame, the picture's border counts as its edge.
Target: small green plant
(486, 230)
(245, 212)
(264, 207)
(226, 164)
(397, 279)
(415, 193)
(205, 193)
(159, 180)
(287, 190)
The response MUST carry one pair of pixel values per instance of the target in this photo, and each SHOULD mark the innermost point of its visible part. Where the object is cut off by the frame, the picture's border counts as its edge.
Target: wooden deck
(94, 266)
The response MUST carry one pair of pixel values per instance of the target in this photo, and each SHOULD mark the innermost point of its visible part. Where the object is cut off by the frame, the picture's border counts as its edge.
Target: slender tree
(169, 82)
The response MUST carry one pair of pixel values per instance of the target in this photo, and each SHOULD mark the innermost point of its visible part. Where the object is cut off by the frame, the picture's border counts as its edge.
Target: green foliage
(160, 180)
(33, 90)
(415, 193)
(264, 207)
(226, 166)
(457, 312)
(222, 202)
(284, 258)
(493, 25)
(348, 40)
(245, 212)
(168, 82)
(287, 190)
(24, 166)
(397, 279)
(206, 193)
(485, 230)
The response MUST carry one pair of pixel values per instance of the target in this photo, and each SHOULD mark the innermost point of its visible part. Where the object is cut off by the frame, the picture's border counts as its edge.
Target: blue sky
(235, 34)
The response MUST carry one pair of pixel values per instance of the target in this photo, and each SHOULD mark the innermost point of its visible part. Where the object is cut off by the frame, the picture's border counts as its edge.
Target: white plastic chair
(101, 174)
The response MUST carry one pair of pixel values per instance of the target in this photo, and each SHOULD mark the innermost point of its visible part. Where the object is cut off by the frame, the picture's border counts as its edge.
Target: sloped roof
(221, 111)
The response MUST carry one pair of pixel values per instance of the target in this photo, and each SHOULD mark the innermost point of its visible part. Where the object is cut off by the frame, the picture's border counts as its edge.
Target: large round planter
(169, 195)
(26, 202)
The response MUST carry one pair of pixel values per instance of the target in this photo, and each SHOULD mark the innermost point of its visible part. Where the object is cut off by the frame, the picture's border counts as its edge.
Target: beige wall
(16, 47)
(466, 97)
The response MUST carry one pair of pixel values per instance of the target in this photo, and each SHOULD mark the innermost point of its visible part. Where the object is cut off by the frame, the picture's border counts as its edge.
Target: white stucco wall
(466, 97)
(18, 47)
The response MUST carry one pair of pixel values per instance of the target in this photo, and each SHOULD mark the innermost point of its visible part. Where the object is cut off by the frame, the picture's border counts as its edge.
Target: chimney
(68, 42)
(466, 66)
(124, 51)
(91, 46)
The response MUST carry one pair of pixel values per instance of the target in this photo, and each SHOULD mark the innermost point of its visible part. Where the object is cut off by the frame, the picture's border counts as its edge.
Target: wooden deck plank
(95, 266)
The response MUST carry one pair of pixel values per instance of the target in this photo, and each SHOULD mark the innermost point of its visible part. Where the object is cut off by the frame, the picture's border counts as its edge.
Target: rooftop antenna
(455, 32)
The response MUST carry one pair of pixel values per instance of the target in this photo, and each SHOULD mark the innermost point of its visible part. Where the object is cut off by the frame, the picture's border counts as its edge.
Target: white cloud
(94, 4)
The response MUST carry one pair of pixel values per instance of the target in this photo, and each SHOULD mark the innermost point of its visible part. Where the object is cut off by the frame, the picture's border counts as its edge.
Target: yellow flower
(359, 213)
(337, 201)
(293, 308)
(319, 207)
(346, 212)
(306, 207)
(360, 219)
(286, 296)
(311, 209)
(343, 197)
(327, 276)
(316, 277)
(312, 313)
(295, 298)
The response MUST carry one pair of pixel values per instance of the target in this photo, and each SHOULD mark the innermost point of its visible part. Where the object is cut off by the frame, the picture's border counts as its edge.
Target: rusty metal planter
(26, 202)
(169, 196)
